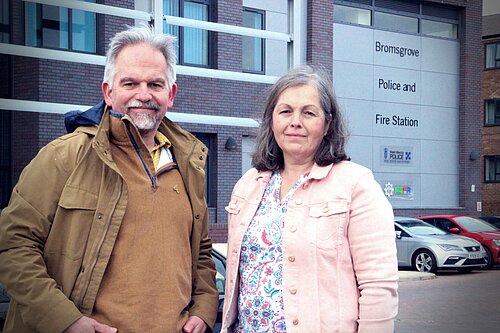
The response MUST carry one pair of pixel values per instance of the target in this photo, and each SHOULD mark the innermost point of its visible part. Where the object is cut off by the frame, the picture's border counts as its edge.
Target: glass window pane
(395, 22)
(31, 24)
(83, 30)
(487, 169)
(195, 40)
(497, 56)
(497, 112)
(252, 47)
(439, 29)
(55, 27)
(489, 113)
(171, 8)
(490, 56)
(492, 168)
(4, 21)
(351, 15)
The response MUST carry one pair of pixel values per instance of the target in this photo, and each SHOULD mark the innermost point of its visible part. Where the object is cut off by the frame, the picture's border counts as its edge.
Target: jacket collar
(317, 172)
(95, 121)
(89, 118)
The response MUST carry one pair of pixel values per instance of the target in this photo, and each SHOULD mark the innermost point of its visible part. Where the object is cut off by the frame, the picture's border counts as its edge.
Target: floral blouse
(260, 299)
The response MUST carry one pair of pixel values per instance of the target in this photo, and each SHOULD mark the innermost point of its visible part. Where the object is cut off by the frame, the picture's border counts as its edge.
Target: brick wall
(470, 103)
(221, 98)
(227, 52)
(490, 136)
(54, 81)
(72, 83)
(320, 34)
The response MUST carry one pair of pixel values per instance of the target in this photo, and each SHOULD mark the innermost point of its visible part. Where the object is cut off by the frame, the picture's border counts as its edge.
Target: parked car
(480, 230)
(4, 306)
(493, 220)
(220, 265)
(220, 281)
(426, 248)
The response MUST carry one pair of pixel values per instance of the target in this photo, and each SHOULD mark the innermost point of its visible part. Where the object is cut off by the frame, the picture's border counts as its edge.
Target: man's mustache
(139, 104)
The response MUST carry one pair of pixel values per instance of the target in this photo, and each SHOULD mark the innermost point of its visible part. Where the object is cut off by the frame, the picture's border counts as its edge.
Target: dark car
(493, 220)
(4, 306)
(220, 281)
(472, 227)
(220, 265)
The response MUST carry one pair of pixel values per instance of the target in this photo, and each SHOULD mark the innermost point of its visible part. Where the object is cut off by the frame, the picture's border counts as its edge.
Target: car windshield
(417, 227)
(474, 225)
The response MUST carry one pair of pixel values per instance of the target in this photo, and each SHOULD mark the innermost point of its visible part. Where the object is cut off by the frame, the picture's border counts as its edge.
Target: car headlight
(497, 242)
(450, 247)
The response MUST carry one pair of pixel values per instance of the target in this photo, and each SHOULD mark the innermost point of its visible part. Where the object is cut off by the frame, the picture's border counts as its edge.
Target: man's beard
(144, 121)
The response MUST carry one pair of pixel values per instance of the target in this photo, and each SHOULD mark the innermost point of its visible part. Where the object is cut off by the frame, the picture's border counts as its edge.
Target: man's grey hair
(139, 35)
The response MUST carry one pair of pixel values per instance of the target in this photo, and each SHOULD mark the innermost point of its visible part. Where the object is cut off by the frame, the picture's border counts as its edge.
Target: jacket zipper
(152, 178)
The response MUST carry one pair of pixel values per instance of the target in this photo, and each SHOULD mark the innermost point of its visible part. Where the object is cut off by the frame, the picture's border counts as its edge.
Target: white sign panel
(401, 91)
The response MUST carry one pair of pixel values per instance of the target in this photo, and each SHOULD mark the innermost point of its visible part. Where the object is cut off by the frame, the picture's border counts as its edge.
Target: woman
(311, 235)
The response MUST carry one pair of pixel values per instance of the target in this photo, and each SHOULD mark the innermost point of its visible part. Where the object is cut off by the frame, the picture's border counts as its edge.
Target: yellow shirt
(163, 142)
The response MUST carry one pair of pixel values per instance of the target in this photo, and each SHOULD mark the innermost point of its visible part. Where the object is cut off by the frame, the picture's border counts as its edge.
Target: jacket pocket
(329, 218)
(72, 223)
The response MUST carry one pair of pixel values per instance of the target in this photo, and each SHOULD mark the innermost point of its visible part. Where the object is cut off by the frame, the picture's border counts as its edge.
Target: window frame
(400, 15)
(496, 56)
(5, 161)
(492, 161)
(262, 42)
(6, 115)
(38, 22)
(496, 116)
(5, 32)
(180, 31)
(419, 14)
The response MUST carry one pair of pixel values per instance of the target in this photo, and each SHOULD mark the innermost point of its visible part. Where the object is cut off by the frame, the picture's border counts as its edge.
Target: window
(351, 15)
(210, 167)
(492, 169)
(5, 115)
(5, 150)
(439, 29)
(253, 48)
(192, 43)
(5, 59)
(492, 56)
(61, 28)
(445, 225)
(4, 22)
(492, 112)
(395, 22)
(406, 16)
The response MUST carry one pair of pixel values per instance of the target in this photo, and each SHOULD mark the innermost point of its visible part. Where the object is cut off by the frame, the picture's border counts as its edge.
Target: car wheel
(489, 258)
(424, 261)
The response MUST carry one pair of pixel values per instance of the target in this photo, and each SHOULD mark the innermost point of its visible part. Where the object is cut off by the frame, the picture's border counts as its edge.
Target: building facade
(490, 115)
(407, 75)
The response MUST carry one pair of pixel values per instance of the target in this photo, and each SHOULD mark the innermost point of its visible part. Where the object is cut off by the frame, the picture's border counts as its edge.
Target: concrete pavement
(415, 276)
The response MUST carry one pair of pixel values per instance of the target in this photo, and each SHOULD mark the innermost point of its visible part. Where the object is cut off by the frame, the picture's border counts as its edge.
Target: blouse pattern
(260, 299)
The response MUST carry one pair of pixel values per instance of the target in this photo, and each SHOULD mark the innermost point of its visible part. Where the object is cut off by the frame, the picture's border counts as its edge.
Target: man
(107, 229)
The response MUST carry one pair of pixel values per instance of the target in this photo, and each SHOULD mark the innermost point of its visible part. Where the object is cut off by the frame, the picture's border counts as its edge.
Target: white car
(426, 248)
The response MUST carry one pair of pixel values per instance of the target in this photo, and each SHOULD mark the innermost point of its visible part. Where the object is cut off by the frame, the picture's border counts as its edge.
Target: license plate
(475, 255)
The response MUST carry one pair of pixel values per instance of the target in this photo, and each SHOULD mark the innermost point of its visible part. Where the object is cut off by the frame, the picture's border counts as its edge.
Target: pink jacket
(339, 254)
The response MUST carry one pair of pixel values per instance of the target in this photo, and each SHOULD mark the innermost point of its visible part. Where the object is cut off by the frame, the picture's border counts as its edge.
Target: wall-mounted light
(474, 155)
(231, 144)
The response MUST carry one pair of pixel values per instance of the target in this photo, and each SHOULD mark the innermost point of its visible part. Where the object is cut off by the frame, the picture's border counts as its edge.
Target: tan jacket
(58, 232)
(339, 253)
